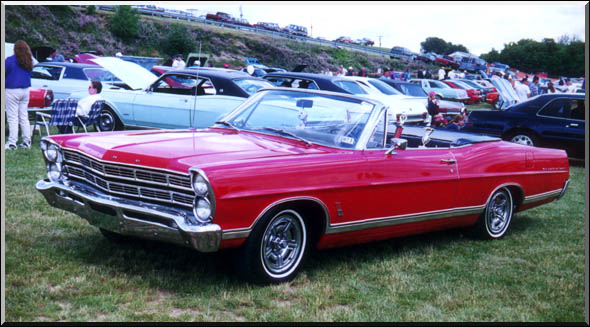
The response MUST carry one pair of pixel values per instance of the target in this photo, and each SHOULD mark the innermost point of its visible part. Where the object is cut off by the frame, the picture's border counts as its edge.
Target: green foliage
(564, 58)
(178, 40)
(440, 46)
(125, 22)
(91, 10)
(61, 11)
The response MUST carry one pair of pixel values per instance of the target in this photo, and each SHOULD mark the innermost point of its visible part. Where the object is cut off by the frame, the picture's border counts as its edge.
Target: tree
(125, 22)
(440, 46)
(178, 40)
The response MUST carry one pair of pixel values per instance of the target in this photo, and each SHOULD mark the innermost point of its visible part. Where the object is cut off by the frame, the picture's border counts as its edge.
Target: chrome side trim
(543, 196)
(403, 219)
(563, 189)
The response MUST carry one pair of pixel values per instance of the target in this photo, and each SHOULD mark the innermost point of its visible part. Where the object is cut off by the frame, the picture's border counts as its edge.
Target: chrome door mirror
(397, 143)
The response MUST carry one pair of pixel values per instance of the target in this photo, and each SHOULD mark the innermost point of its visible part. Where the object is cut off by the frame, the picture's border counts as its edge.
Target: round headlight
(54, 171)
(202, 210)
(52, 153)
(200, 185)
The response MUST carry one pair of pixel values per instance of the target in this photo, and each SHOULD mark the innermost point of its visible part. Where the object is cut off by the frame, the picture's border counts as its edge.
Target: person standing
(534, 87)
(441, 74)
(57, 57)
(433, 110)
(178, 62)
(522, 90)
(17, 81)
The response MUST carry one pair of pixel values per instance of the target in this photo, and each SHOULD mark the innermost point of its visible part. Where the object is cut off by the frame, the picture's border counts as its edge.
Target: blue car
(548, 120)
(177, 99)
(442, 90)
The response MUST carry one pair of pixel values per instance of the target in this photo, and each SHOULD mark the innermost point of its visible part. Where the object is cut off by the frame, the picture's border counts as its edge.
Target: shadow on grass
(187, 271)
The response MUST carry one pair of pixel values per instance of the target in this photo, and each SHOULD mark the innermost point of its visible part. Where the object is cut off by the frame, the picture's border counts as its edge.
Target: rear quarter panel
(485, 167)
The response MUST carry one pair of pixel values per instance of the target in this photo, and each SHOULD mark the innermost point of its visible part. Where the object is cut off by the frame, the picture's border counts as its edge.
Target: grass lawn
(59, 268)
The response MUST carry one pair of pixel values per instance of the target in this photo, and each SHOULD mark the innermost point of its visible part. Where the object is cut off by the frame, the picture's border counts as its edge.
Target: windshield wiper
(223, 122)
(280, 131)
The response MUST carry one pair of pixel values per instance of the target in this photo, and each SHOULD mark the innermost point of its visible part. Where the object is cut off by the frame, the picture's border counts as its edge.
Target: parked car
(296, 30)
(293, 170)
(490, 94)
(402, 53)
(414, 111)
(344, 39)
(426, 57)
(449, 109)
(442, 90)
(506, 94)
(177, 99)
(366, 42)
(268, 26)
(447, 61)
(548, 120)
(64, 78)
(472, 92)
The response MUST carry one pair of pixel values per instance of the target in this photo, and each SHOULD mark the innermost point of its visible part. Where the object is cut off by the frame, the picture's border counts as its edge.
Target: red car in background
(447, 61)
(490, 94)
(473, 93)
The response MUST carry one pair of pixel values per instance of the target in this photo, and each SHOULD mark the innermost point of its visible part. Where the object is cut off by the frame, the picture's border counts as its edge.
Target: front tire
(108, 121)
(276, 248)
(496, 219)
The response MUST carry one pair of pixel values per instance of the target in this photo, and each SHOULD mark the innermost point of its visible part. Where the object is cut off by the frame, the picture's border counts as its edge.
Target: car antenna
(194, 110)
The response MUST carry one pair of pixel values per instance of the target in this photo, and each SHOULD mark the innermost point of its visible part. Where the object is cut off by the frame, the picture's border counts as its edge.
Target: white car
(414, 108)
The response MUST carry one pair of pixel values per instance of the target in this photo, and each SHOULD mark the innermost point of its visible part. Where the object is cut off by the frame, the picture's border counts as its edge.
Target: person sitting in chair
(85, 104)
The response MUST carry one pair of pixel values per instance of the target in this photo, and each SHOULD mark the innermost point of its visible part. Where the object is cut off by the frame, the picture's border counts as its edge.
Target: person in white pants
(17, 81)
(17, 103)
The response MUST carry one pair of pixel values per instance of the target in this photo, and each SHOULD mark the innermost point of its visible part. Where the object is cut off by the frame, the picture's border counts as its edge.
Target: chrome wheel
(498, 213)
(522, 139)
(283, 244)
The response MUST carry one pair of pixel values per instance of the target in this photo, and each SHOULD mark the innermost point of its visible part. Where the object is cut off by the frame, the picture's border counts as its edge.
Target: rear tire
(522, 137)
(108, 121)
(496, 219)
(276, 249)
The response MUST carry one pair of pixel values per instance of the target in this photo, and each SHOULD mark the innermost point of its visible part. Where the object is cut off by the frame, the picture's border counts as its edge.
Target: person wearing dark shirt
(17, 81)
(433, 109)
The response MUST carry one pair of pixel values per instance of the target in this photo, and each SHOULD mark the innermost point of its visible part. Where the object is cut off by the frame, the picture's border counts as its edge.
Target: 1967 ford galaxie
(290, 170)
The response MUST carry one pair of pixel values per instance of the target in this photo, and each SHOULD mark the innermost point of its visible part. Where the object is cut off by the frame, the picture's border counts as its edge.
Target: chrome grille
(131, 182)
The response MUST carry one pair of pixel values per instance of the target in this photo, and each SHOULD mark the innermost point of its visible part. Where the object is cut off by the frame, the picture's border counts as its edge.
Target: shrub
(125, 22)
(91, 10)
(178, 40)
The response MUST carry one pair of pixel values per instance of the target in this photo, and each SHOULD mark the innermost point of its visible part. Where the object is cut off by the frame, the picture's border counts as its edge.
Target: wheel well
(115, 114)
(517, 195)
(516, 130)
(313, 212)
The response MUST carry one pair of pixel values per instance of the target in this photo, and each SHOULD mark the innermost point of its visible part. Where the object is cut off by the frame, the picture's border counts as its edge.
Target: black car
(548, 120)
(314, 82)
(221, 81)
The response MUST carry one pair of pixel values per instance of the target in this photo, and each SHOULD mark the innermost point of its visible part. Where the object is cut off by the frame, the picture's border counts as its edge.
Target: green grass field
(59, 268)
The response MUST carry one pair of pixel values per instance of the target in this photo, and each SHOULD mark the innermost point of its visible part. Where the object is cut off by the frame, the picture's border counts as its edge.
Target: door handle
(448, 161)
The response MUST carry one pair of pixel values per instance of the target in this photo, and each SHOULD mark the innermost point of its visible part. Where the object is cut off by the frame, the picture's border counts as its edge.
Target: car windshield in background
(252, 85)
(383, 87)
(324, 119)
(413, 90)
(350, 86)
(99, 74)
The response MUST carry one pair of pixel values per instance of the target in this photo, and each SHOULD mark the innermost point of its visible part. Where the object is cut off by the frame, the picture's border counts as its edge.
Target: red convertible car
(290, 170)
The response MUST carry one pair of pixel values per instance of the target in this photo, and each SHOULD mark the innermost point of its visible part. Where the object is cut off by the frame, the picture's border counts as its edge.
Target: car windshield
(384, 87)
(439, 85)
(100, 74)
(330, 120)
(252, 85)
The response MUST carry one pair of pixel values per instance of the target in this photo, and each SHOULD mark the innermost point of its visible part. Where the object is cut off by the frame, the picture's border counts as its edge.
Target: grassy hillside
(72, 30)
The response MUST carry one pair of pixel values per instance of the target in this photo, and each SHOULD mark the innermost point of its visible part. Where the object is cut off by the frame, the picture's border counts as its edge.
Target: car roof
(317, 77)
(68, 64)
(213, 72)
(395, 81)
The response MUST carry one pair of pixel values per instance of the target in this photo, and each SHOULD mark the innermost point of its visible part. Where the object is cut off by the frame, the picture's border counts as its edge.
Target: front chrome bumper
(131, 217)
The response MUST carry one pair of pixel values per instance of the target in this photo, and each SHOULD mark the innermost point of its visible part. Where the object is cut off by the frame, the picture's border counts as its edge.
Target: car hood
(180, 149)
(130, 73)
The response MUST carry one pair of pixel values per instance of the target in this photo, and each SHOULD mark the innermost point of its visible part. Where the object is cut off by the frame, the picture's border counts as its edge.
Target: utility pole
(380, 36)
(241, 14)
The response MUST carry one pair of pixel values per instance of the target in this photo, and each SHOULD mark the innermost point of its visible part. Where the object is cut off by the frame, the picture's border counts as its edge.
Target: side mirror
(397, 143)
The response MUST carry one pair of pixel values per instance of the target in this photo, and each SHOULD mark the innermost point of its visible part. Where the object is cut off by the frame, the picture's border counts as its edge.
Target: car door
(167, 103)
(561, 124)
(414, 184)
